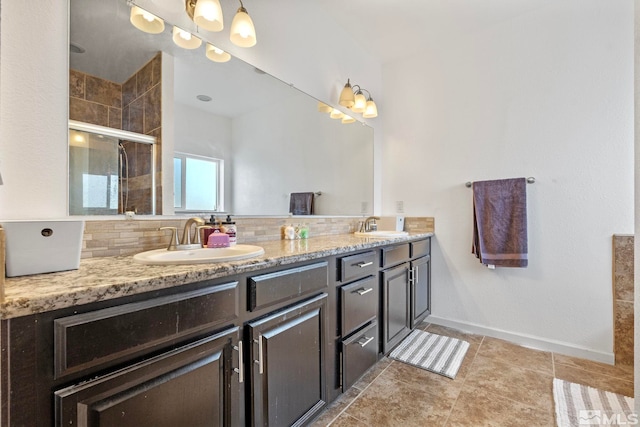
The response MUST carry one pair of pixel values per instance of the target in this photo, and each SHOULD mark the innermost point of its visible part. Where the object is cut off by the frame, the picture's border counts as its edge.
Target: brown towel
(500, 222)
(301, 203)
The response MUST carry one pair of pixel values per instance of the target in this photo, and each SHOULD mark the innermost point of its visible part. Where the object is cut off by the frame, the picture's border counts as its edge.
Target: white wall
(549, 95)
(304, 150)
(34, 87)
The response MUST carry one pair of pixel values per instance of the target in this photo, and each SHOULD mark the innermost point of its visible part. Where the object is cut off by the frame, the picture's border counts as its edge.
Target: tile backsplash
(117, 237)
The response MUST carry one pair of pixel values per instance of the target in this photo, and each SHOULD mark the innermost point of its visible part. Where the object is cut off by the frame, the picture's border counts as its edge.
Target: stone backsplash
(623, 277)
(126, 237)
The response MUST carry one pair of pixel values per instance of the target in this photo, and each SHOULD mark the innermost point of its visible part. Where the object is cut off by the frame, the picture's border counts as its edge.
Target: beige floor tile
(387, 402)
(592, 379)
(517, 355)
(526, 386)
(346, 420)
(479, 408)
(336, 407)
(372, 373)
(619, 371)
(454, 333)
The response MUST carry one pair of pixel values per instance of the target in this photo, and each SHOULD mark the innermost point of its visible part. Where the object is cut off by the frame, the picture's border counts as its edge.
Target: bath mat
(579, 405)
(436, 353)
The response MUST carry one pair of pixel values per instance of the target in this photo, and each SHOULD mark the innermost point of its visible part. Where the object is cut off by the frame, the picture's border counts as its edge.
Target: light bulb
(360, 103)
(208, 15)
(371, 110)
(243, 33)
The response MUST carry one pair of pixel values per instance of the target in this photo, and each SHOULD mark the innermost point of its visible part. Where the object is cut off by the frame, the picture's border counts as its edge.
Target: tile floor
(498, 384)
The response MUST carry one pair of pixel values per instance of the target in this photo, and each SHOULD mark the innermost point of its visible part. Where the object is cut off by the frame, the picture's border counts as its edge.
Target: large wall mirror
(239, 137)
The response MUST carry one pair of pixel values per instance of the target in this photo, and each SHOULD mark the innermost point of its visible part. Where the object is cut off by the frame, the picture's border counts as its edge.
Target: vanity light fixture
(207, 14)
(324, 108)
(216, 54)
(146, 21)
(353, 98)
(348, 119)
(185, 39)
(243, 33)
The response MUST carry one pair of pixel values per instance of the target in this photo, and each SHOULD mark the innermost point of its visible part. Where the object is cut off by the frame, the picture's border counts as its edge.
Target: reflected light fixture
(336, 114)
(348, 119)
(146, 21)
(353, 98)
(185, 39)
(324, 108)
(216, 54)
(243, 33)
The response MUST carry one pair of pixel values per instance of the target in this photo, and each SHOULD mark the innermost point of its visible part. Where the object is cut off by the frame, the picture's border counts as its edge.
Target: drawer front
(111, 335)
(395, 255)
(359, 304)
(356, 266)
(420, 248)
(271, 288)
(359, 353)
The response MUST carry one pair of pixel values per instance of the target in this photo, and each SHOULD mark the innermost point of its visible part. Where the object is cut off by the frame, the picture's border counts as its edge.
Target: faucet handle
(174, 237)
(198, 239)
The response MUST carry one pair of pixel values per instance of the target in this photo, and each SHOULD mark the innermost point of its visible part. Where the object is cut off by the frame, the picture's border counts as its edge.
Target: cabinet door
(194, 385)
(420, 290)
(396, 295)
(288, 375)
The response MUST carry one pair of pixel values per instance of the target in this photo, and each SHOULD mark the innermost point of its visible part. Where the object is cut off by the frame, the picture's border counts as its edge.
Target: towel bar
(530, 180)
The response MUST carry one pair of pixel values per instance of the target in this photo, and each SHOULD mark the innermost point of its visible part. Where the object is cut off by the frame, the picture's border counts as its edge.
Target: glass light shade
(145, 21)
(371, 110)
(336, 114)
(360, 103)
(208, 15)
(324, 108)
(243, 33)
(347, 98)
(216, 54)
(185, 39)
(348, 119)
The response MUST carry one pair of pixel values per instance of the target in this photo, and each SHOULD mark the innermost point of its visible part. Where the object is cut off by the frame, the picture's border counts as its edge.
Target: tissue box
(34, 247)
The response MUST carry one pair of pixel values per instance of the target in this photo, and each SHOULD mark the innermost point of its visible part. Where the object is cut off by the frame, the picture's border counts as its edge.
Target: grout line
(463, 383)
(553, 363)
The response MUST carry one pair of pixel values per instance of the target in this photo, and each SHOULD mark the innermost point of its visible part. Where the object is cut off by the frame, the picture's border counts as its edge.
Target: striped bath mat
(435, 353)
(578, 405)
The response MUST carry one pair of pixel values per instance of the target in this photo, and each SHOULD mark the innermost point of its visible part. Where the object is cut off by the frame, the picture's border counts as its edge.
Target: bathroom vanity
(264, 341)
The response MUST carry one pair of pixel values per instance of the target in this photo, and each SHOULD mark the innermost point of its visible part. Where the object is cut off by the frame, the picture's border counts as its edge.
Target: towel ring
(530, 180)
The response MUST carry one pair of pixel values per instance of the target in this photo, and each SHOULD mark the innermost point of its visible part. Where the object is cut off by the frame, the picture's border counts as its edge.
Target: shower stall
(110, 171)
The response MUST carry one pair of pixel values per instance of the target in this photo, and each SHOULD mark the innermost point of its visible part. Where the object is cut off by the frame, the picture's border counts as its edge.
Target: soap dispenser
(229, 227)
(215, 228)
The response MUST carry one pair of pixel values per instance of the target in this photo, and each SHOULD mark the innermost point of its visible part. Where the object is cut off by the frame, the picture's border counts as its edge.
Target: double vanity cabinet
(268, 346)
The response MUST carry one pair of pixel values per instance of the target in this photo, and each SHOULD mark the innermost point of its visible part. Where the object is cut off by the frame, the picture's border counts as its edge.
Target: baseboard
(526, 340)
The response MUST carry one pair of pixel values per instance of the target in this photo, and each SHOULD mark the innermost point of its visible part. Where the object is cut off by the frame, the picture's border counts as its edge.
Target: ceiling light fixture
(353, 98)
(146, 21)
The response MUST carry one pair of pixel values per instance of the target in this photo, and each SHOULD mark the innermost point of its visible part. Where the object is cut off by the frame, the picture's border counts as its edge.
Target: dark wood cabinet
(159, 392)
(287, 355)
(420, 290)
(396, 302)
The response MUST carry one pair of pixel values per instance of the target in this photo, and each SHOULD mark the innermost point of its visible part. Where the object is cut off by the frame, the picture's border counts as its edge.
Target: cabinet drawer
(395, 255)
(359, 304)
(356, 266)
(268, 289)
(359, 353)
(420, 248)
(111, 335)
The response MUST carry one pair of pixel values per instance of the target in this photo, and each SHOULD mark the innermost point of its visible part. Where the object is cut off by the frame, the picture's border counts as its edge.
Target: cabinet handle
(366, 341)
(365, 264)
(259, 361)
(363, 291)
(240, 369)
(415, 274)
(410, 276)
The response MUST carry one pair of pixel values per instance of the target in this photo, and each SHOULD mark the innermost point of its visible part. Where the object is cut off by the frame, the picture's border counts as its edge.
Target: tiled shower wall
(117, 237)
(134, 105)
(623, 298)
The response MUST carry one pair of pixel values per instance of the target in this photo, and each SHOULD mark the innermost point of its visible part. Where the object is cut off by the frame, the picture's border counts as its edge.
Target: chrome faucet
(187, 241)
(369, 224)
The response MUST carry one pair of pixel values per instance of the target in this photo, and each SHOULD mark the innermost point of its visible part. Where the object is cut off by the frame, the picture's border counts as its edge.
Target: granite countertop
(100, 279)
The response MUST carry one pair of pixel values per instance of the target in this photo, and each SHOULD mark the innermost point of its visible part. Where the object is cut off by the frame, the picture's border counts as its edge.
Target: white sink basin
(382, 234)
(198, 256)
